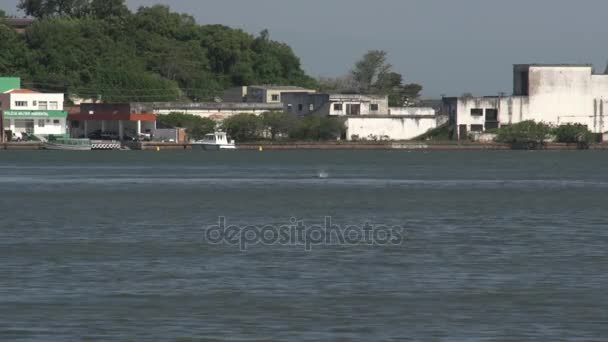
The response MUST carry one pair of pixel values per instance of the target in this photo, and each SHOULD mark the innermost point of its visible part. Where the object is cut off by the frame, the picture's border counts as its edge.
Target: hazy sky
(449, 46)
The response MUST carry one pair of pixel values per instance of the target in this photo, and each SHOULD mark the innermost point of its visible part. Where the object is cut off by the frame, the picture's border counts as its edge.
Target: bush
(526, 134)
(196, 126)
(243, 127)
(573, 133)
(278, 124)
(318, 128)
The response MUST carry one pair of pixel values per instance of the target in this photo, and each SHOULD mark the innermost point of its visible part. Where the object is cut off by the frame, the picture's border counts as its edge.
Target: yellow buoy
(157, 148)
(261, 149)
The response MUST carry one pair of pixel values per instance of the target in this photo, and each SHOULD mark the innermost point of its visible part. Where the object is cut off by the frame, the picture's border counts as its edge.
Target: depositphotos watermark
(298, 233)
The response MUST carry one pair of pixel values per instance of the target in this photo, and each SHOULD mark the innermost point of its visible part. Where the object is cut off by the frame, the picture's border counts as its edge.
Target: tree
(196, 126)
(573, 133)
(278, 123)
(526, 134)
(318, 128)
(243, 127)
(52, 8)
(106, 9)
(373, 74)
(2, 14)
(372, 68)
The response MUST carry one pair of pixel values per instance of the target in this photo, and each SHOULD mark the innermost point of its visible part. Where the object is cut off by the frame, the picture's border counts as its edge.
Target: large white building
(554, 94)
(34, 113)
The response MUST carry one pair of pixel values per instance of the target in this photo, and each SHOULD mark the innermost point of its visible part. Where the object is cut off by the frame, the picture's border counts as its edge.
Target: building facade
(33, 113)
(391, 127)
(99, 121)
(554, 94)
(261, 93)
(303, 104)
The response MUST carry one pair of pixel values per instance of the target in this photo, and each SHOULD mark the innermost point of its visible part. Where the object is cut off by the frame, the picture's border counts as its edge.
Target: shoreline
(352, 146)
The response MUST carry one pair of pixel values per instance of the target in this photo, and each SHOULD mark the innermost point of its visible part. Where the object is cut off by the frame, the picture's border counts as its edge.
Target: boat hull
(213, 147)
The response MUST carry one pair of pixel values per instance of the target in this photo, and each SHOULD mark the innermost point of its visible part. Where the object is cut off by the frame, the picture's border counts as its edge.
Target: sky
(451, 47)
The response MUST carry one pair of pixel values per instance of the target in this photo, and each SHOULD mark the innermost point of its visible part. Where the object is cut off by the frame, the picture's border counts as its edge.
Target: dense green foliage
(526, 134)
(573, 133)
(98, 48)
(196, 126)
(284, 126)
(372, 74)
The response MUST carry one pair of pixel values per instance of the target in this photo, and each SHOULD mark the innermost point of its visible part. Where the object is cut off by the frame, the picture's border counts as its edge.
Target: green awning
(23, 114)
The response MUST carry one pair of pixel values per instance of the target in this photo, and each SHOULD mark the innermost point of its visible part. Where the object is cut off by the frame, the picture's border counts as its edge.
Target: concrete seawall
(412, 146)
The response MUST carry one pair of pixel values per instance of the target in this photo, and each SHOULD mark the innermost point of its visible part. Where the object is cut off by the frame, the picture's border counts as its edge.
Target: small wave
(323, 180)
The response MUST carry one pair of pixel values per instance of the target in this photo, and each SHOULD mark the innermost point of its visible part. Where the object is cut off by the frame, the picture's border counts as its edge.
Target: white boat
(215, 142)
(68, 144)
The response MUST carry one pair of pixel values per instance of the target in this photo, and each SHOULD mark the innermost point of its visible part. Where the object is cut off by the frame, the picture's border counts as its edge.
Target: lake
(463, 246)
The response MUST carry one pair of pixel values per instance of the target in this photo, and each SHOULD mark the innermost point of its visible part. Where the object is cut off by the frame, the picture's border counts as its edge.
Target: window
(20, 103)
(275, 97)
(55, 122)
(41, 123)
(53, 105)
(338, 107)
(34, 103)
(311, 107)
(491, 115)
(476, 111)
(373, 107)
(300, 107)
(476, 128)
(43, 105)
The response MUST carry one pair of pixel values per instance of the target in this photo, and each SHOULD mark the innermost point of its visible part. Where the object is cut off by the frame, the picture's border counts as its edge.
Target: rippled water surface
(498, 246)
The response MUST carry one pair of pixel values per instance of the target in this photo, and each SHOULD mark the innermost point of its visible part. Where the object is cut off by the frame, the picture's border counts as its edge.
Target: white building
(34, 113)
(554, 94)
(212, 110)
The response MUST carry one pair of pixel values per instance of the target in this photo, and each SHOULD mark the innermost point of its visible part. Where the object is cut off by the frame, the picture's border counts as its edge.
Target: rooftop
(22, 91)
(277, 87)
(565, 65)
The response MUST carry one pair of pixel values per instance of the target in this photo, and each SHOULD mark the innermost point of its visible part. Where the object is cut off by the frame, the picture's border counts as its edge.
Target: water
(499, 246)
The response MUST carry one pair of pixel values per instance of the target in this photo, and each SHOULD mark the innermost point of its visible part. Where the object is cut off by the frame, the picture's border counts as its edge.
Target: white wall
(37, 97)
(389, 128)
(411, 111)
(49, 125)
(561, 95)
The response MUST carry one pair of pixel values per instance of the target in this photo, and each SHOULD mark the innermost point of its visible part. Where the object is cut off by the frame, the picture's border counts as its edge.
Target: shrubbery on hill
(99, 48)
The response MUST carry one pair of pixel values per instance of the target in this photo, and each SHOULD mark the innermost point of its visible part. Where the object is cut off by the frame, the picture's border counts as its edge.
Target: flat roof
(277, 87)
(543, 65)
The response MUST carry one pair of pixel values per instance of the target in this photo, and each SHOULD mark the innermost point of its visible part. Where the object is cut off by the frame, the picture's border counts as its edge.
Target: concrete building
(212, 110)
(303, 104)
(389, 127)
(261, 93)
(30, 112)
(111, 120)
(554, 94)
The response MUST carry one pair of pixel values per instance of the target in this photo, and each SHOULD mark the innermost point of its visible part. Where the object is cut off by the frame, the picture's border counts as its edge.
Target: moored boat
(215, 142)
(69, 144)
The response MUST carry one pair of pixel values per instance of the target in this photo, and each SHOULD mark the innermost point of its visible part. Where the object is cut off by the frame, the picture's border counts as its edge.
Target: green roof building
(9, 83)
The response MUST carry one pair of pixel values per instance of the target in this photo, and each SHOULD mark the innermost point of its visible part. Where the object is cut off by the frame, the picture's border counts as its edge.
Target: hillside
(150, 55)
